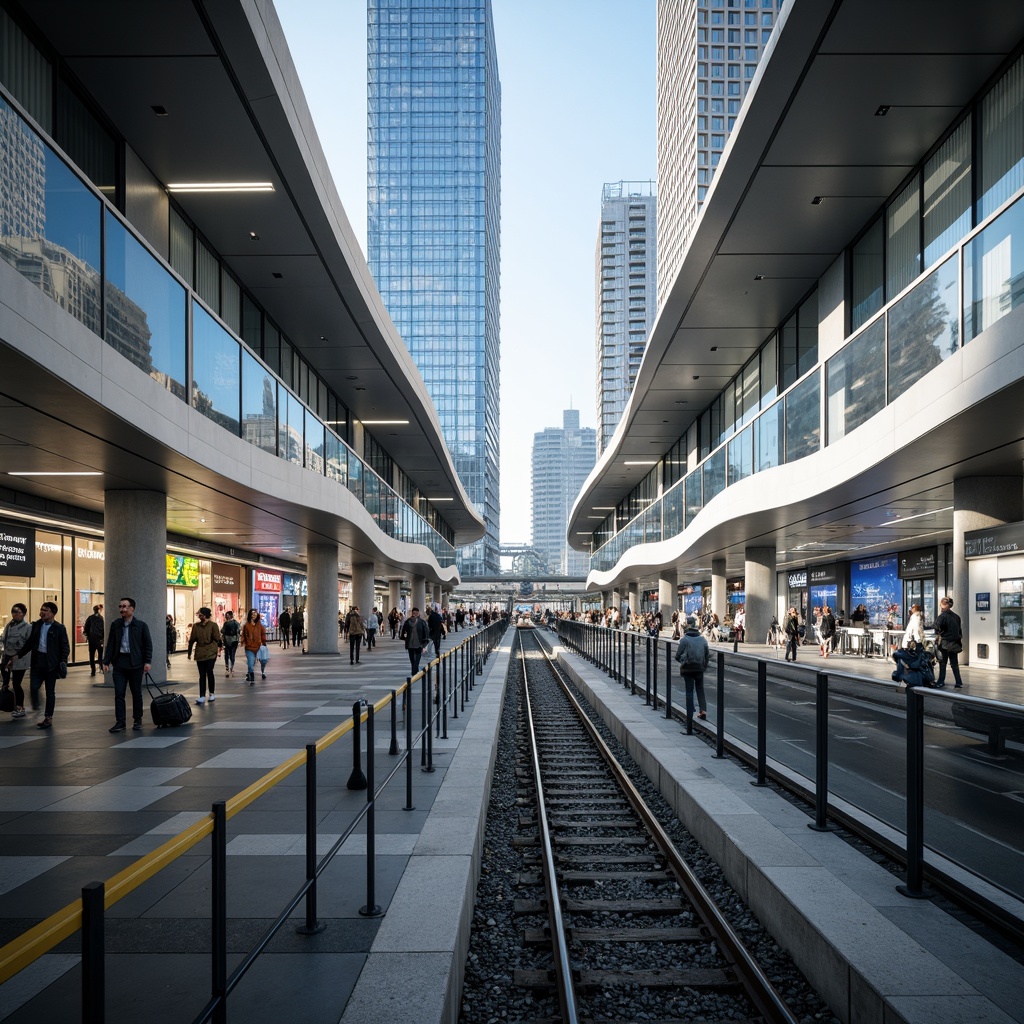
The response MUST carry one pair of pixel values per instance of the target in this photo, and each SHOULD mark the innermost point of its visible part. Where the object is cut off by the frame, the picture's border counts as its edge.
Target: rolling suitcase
(167, 708)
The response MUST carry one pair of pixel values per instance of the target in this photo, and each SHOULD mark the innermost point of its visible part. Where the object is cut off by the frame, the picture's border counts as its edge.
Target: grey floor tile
(15, 871)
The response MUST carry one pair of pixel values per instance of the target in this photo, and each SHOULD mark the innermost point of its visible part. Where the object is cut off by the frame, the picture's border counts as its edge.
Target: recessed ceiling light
(253, 237)
(440, 499)
(882, 110)
(759, 277)
(40, 472)
(606, 508)
(277, 274)
(221, 186)
(385, 423)
(696, 376)
(817, 200)
(714, 348)
(640, 462)
(158, 110)
(360, 389)
(351, 376)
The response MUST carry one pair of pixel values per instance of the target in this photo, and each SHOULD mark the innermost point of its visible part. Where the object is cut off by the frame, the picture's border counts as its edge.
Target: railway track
(630, 932)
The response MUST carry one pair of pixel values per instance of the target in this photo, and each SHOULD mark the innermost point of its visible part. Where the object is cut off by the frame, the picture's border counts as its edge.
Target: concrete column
(617, 597)
(719, 596)
(668, 587)
(761, 585)
(394, 594)
(634, 597)
(362, 586)
(418, 596)
(606, 599)
(322, 604)
(978, 503)
(135, 564)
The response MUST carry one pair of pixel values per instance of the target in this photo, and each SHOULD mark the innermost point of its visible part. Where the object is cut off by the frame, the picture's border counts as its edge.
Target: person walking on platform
(93, 629)
(129, 654)
(415, 635)
(207, 641)
(15, 637)
(354, 627)
(791, 628)
(230, 632)
(826, 631)
(298, 622)
(50, 649)
(284, 624)
(693, 655)
(372, 625)
(394, 620)
(254, 637)
(950, 642)
(172, 638)
(435, 626)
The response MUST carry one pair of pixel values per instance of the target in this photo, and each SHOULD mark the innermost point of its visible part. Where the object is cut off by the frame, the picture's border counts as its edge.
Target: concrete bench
(999, 724)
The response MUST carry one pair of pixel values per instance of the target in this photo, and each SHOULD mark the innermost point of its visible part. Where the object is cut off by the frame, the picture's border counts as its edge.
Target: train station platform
(873, 954)
(78, 804)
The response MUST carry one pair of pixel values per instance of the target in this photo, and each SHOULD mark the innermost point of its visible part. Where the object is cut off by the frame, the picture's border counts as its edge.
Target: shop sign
(17, 550)
(227, 579)
(918, 565)
(1000, 540)
(798, 580)
(983, 602)
(266, 582)
(89, 554)
(818, 574)
(182, 571)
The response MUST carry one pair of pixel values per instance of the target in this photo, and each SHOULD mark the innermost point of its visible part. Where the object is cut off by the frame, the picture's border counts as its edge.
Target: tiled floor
(79, 804)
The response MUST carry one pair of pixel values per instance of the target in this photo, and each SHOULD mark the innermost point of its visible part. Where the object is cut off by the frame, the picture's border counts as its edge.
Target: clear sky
(578, 110)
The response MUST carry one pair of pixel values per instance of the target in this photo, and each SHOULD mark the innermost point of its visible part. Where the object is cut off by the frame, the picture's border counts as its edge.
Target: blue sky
(578, 109)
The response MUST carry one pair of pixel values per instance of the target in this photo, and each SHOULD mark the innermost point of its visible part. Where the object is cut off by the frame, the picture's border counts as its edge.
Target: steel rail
(563, 969)
(756, 984)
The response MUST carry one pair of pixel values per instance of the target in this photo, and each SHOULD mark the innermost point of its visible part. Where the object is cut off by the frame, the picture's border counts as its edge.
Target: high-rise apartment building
(708, 52)
(562, 461)
(626, 294)
(433, 189)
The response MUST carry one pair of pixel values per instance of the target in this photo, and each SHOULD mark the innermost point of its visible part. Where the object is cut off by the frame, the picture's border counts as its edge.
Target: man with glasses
(50, 649)
(130, 654)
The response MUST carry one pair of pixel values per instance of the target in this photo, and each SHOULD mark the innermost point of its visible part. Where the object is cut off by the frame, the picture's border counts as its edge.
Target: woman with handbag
(950, 637)
(15, 636)
(254, 641)
(207, 641)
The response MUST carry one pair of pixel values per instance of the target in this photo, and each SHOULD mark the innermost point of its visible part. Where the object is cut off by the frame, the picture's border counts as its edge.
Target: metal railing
(447, 679)
(616, 652)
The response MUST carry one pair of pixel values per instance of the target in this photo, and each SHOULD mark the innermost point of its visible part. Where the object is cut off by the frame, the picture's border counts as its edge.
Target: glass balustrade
(74, 248)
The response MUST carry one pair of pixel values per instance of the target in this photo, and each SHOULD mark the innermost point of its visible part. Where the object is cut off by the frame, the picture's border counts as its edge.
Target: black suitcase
(167, 708)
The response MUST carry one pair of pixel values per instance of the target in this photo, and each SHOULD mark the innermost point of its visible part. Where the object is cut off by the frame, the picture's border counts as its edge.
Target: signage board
(818, 574)
(918, 565)
(183, 571)
(983, 602)
(226, 578)
(798, 580)
(266, 582)
(999, 540)
(17, 550)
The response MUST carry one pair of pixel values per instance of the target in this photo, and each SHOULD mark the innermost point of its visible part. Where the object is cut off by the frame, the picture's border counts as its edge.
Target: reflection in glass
(289, 434)
(259, 405)
(803, 419)
(672, 512)
(337, 458)
(694, 495)
(741, 456)
(946, 211)
(856, 382)
(714, 475)
(355, 476)
(51, 235)
(215, 370)
(314, 443)
(866, 280)
(924, 327)
(768, 430)
(1001, 140)
(371, 494)
(144, 309)
(994, 271)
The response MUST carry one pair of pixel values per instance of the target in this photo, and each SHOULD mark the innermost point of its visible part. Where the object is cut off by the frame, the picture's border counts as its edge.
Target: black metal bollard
(408, 751)
(820, 823)
(720, 708)
(428, 730)
(93, 963)
(632, 665)
(312, 926)
(915, 798)
(762, 725)
(654, 674)
(357, 780)
(371, 909)
(668, 678)
(442, 694)
(647, 676)
(219, 912)
(394, 724)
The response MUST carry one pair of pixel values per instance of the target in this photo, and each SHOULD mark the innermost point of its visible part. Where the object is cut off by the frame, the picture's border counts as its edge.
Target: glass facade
(433, 188)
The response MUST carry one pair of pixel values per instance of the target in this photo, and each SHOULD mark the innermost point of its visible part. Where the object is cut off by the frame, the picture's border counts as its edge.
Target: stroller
(915, 665)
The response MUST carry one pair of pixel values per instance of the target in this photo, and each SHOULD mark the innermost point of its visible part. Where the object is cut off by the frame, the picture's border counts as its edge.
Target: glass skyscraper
(433, 190)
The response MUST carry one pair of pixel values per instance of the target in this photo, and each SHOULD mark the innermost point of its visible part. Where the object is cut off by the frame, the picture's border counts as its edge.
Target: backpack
(690, 654)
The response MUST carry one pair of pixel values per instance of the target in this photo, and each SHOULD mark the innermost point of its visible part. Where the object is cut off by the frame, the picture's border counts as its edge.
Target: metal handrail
(26, 948)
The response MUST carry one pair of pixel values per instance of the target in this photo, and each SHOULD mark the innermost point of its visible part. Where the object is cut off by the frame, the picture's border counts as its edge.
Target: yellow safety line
(41, 938)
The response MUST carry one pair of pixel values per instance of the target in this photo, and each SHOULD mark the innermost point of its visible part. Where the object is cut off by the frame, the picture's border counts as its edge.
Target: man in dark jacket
(791, 627)
(435, 625)
(415, 634)
(50, 649)
(950, 637)
(298, 625)
(693, 655)
(129, 653)
(284, 624)
(93, 630)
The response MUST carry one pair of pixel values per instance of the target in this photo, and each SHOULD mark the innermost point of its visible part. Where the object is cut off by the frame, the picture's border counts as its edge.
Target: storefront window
(89, 575)
(875, 584)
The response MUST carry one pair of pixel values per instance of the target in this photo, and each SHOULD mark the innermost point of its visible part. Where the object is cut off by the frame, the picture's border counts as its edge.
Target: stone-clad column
(362, 587)
(760, 583)
(394, 595)
(668, 587)
(719, 596)
(322, 602)
(418, 596)
(135, 565)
